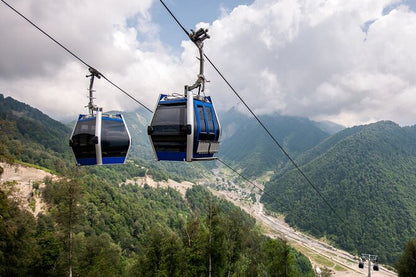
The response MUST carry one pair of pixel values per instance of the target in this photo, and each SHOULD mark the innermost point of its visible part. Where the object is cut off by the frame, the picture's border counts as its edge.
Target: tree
(196, 244)
(406, 265)
(65, 194)
(162, 254)
(18, 248)
(50, 249)
(279, 260)
(96, 256)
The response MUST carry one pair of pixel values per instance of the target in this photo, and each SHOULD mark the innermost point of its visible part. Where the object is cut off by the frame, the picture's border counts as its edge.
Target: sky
(349, 62)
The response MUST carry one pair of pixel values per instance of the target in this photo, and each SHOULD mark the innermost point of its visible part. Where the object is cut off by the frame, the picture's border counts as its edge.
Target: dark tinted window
(210, 119)
(169, 128)
(115, 140)
(202, 119)
(85, 127)
(83, 139)
(170, 115)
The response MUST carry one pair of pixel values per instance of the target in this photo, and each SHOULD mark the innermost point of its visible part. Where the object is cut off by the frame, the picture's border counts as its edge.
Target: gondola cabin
(184, 128)
(100, 139)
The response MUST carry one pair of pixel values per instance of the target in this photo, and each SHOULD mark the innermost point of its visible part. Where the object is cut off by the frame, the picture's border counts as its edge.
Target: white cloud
(118, 38)
(346, 61)
(326, 65)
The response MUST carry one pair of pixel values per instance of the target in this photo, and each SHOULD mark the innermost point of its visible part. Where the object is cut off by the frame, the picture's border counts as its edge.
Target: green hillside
(123, 229)
(30, 136)
(26, 134)
(367, 174)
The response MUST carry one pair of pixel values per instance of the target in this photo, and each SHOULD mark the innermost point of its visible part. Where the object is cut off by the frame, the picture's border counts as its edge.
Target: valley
(321, 254)
(366, 171)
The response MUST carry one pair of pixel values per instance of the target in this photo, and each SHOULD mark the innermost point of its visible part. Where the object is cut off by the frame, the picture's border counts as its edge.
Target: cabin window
(170, 115)
(114, 138)
(210, 119)
(202, 119)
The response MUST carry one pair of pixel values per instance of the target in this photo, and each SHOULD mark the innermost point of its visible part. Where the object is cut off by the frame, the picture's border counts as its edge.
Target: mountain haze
(247, 146)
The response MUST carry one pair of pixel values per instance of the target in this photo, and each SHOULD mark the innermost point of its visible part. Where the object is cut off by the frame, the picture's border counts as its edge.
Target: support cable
(148, 109)
(261, 123)
(75, 56)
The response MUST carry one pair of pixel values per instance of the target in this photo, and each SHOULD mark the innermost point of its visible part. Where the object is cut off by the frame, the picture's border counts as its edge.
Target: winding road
(321, 254)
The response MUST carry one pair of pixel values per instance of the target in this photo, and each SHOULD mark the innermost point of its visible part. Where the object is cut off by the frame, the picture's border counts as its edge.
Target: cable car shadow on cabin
(186, 127)
(99, 138)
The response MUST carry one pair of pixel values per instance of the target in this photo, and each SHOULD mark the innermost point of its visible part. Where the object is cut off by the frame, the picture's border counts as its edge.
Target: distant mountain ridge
(247, 146)
(33, 124)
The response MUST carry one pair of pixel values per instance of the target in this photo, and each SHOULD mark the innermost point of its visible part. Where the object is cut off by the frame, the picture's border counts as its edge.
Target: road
(321, 254)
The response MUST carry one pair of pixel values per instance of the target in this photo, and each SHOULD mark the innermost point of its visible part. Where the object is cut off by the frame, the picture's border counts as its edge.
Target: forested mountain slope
(367, 174)
(29, 135)
(121, 229)
(247, 146)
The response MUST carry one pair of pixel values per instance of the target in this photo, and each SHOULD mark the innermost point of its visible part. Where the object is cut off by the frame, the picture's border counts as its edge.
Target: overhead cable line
(148, 109)
(76, 56)
(261, 123)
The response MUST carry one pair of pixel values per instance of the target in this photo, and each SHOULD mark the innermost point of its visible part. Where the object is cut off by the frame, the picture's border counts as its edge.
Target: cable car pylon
(186, 127)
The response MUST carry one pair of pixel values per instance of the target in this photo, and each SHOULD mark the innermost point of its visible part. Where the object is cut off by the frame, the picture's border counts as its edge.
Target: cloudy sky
(350, 62)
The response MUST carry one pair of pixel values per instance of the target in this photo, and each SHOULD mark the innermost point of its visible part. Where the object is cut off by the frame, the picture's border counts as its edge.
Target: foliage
(28, 135)
(103, 227)
(366, 174)
(406, 265)
(131, 231)
(18, 249)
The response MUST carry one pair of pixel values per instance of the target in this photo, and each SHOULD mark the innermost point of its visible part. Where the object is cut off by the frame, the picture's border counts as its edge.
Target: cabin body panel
(100, 139)
(184, 129)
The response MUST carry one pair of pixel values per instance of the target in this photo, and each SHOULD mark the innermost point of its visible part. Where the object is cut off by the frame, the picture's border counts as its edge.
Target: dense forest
(367, 174)
(97, 225)
(127, 230)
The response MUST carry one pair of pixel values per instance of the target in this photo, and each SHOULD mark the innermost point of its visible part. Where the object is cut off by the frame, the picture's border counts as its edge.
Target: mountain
(329, 127)
(137, 122)
(29, 135)
(367, 174)
(247, 146)
(110, 225)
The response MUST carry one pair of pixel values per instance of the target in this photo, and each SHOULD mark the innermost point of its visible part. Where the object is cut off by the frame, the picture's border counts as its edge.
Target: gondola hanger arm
(198, 38)
(94, 73)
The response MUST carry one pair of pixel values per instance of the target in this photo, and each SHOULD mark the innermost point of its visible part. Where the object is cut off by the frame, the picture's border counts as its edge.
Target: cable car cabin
(375, 267)
(184, 128)
(361, 264)
(100, 139)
